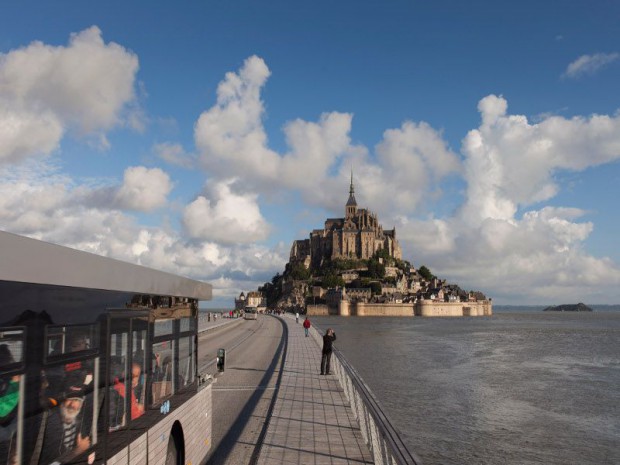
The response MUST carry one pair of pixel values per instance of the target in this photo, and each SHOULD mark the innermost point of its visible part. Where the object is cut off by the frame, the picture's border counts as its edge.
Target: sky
(202, 138)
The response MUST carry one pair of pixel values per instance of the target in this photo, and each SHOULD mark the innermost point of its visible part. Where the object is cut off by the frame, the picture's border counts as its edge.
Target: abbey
(357, 235)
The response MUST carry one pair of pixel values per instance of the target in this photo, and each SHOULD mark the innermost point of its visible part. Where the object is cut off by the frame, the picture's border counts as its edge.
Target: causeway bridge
(272, 406)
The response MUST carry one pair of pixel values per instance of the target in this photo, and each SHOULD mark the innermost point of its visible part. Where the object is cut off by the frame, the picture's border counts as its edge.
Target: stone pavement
(312, 422)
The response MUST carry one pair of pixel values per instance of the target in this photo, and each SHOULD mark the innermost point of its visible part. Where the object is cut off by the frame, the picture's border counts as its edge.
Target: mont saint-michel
(354, 267)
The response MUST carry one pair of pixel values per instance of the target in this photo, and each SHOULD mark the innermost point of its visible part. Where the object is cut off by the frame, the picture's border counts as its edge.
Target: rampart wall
(421, 308)
(386, 309)
(319, 310)
(432, 308)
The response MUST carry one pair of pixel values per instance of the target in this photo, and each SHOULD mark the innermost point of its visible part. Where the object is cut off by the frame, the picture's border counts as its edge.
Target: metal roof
(29, 260)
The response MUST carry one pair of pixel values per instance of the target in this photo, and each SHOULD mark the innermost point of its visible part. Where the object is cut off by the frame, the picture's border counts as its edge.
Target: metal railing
(380, 434)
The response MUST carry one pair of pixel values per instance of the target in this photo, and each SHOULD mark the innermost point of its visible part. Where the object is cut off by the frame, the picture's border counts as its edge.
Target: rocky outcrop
(580, 307)
(293, 295)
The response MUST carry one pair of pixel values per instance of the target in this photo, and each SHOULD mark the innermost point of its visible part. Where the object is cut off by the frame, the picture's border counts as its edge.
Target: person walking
(306, 326)
(297, 317)
(328, 340)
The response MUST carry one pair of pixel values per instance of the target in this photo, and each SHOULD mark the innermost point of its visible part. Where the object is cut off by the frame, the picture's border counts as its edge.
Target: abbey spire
(351, 207)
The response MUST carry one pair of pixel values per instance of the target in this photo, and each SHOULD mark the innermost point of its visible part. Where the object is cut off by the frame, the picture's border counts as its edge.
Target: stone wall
(433, 308)
(428, 308)
(387, 309)
(318, 310)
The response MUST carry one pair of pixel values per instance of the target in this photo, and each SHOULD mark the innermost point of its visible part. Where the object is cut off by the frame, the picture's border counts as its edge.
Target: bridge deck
(312, 421)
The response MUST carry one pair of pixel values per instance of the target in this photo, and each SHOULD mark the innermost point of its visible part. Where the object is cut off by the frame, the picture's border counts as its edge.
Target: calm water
(515, 388)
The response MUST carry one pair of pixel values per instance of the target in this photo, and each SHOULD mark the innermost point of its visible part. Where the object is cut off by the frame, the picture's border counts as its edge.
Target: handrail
(381, 435)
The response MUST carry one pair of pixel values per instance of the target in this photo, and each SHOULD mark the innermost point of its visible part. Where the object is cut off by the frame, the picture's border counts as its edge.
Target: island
(353, 266)
(580, 307)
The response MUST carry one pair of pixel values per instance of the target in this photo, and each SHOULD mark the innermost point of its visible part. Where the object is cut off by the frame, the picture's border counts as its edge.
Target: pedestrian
(296, 317)
(306, 326)
(328, 340)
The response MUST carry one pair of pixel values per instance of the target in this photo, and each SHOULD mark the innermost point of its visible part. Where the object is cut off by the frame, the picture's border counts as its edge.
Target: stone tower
(351, 207)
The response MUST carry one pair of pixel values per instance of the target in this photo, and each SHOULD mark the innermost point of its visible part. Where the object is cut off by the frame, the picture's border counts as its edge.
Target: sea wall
(385, 309)
(421, 308)
(433, 308)
(319, 310)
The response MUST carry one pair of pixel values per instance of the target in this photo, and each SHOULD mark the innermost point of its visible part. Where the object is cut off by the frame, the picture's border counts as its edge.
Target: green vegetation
(299, 272)
(338, 265)
(426, 273)
(376, 270)
(332, 280)
(375, 288)
(273, 290)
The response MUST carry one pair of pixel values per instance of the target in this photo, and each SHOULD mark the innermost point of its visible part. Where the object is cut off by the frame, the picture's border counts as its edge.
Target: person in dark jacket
(328, 340)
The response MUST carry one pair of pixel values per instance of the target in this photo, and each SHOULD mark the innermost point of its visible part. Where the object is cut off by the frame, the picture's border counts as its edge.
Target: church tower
(351, 207)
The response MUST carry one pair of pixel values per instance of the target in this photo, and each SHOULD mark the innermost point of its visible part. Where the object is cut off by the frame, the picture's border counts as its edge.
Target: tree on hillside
(273, 290)
(299, 272)
(332, 280)
(336, 265)
(375, 288)
(376, 270)
(426, 273)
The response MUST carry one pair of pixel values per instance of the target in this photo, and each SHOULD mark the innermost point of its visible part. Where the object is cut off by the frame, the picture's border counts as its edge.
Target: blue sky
(203, 138)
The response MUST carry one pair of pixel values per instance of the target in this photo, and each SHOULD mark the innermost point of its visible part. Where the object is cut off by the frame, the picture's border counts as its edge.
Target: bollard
(221, 359)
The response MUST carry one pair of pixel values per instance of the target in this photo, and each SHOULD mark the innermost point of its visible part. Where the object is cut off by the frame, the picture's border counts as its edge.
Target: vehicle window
(187, 361)
(63, 340)
(162, 369)
(11, 349)
(187, 324)
(162, 327)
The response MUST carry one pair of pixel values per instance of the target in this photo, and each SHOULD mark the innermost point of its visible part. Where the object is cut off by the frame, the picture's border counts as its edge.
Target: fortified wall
(421, 308)
(433, 308)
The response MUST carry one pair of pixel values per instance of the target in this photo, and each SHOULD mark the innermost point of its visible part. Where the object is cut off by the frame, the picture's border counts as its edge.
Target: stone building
(358, 235)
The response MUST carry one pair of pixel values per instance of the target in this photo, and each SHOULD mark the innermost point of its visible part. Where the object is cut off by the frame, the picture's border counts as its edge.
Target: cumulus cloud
(589, 64)
(411, 161)
(231, 141)
(534, 259)
(230, 135)
(510, 162)
(47, 90)
(509, 166)
(225, 216)
(174, 154)
(143, 189)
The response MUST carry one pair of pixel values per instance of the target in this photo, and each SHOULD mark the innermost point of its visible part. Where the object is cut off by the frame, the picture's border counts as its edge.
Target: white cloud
(25, 132)
(411, 160)
(46, 90)
(589, 64)
(143, 189)
(230, 135)
(174, 154)
(225, 217)
(510, 163)
(231, 141)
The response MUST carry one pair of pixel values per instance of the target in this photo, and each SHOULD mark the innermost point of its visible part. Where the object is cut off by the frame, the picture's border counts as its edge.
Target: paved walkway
(312, 421)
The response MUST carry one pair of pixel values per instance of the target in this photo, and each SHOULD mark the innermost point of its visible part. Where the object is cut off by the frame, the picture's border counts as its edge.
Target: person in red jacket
(306, 326)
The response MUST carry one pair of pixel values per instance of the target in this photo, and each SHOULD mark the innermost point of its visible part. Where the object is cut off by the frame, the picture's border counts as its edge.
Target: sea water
(513, 388)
